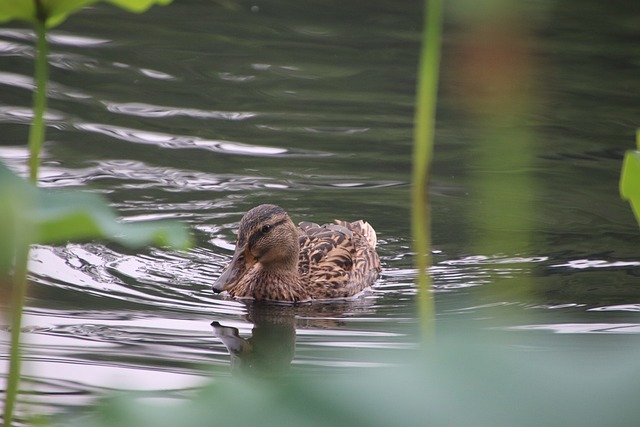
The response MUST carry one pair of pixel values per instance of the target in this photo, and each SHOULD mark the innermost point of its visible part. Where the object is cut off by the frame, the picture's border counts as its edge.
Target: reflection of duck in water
(271, 348)
(272, 345)
(275, 260)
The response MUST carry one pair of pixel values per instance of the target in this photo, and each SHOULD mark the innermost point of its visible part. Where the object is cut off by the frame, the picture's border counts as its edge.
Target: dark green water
(202, 110)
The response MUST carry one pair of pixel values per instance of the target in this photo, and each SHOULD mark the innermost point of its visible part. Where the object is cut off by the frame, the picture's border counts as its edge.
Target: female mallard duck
(275, 260)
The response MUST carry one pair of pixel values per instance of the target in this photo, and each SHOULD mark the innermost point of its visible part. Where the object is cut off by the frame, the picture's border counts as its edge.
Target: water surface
(201, 110)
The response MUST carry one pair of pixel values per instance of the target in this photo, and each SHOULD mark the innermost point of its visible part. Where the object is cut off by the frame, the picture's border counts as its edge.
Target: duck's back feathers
(363, 228)
(337, 260)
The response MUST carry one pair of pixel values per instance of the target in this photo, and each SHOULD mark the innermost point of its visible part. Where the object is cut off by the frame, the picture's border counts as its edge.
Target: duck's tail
(363, 228)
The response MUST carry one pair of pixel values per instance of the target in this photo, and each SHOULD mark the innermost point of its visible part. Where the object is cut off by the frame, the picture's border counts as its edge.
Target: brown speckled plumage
(275, 260)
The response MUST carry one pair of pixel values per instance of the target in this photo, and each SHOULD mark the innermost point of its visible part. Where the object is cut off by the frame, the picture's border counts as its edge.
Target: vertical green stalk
(424, 127)
(18, 294)
(36, 141)
(36, 132)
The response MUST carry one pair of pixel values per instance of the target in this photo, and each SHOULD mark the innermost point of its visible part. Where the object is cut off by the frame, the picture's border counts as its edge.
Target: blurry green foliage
(471, 378)
(630, 178)
(29, 215)
(48, 216)
(56, 11)
(423, 140)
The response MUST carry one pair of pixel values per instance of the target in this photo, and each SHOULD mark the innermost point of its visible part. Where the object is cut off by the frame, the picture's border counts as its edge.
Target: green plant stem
(36, 141)
(422, 153)
(18, 294)
(37, 130)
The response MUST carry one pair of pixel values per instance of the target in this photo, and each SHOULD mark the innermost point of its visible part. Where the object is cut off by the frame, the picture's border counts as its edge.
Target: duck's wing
(330, 259)
(367, 262)
(363, 228)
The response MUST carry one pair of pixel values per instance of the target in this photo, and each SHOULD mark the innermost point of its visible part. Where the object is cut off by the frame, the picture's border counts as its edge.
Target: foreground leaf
(469, 379)
(64, 216)
(630, 178)
(56, 11)
(48, 216)
(32, 215)
(630, 181)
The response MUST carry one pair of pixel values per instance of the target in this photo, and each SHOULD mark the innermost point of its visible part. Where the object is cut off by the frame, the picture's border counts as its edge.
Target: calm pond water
(203, 109)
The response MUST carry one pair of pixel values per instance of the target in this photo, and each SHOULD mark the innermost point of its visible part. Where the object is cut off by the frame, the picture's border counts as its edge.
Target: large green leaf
(63, 216)
(630, 178)
(471, 378)
(56, 11)
(50, 216)
(630, 181)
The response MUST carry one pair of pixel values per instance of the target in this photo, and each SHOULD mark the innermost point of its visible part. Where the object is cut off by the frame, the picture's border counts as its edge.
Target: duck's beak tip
(221, 283)
(232, 273)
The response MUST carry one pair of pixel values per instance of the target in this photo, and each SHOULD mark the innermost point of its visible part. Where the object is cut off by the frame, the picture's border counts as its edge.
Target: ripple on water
(15, 49)
(498, 259)
(139, 175)
(136, 175)
(13, 114)
(584, 264)
(582, 328)
(159, 280)
(634, 308)
(335, 130)
(157, 111)
(54, 91)
(77, 40)
(170, 141)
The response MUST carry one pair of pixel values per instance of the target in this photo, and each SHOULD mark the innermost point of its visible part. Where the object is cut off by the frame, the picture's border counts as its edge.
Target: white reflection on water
(136, 175)
(71, 357)
(149, 110)
(165, 140)
(484, 259)
(582, 264)
(15, 49)
(54, 90)
(155, 74)
(57, 37)
(582, 328)
(160, 281)
(619, 307)
(117, 377)
(13, 114)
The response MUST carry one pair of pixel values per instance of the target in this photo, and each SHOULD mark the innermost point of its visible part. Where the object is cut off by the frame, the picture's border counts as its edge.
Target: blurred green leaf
(56, 11)
(472, 378)
(630, 181)
(63, 216)
(57, 216)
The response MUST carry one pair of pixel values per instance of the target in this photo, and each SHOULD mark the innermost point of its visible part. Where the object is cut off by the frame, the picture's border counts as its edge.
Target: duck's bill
(233, 273)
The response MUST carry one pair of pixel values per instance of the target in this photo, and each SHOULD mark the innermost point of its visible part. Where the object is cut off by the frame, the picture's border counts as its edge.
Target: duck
(275, 260)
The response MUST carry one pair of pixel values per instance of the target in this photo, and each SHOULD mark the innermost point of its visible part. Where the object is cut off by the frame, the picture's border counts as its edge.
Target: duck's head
(267, 239)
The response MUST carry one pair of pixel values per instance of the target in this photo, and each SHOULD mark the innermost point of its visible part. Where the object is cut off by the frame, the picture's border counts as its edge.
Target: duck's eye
(266, 228)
